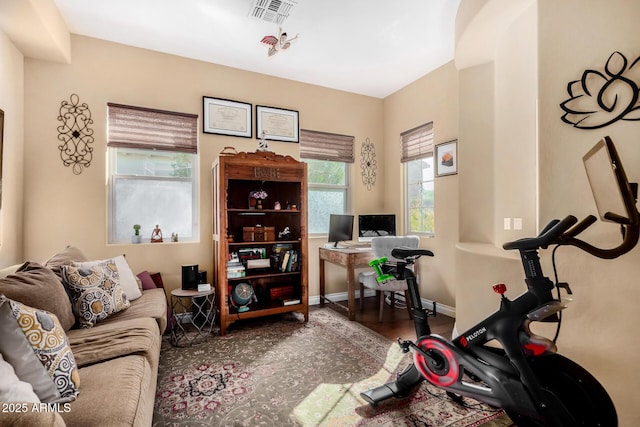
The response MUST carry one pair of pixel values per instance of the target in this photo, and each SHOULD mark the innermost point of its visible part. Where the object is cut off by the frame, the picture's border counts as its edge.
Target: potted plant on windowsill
(136, 238)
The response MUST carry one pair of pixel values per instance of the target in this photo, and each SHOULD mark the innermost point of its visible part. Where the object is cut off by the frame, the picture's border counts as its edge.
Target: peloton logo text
(465, 340)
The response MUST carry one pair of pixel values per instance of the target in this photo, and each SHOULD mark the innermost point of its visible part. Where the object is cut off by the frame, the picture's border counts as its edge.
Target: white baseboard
(343, 296)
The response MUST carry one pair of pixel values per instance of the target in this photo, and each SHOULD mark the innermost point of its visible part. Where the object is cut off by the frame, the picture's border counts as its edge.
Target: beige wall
(601, 324)
(499, 130)
(62, 208)
(11, 102)
(430, 98)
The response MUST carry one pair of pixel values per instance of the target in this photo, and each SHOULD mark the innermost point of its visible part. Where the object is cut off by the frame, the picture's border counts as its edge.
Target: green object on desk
(377, 266)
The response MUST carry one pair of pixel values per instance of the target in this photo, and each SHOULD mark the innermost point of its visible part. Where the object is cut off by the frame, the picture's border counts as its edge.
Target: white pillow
(127, 278)
(11, 388)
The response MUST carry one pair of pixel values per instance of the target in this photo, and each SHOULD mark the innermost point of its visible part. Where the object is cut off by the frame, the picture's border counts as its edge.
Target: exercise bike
(524, 375)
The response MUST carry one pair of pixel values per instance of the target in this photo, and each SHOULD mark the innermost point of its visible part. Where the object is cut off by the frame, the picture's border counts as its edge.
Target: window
(152, 173)
(417, 156)
(327, 156)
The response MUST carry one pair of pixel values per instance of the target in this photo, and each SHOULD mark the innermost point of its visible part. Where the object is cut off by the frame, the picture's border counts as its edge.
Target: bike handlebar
(547, 236)
(560, 233)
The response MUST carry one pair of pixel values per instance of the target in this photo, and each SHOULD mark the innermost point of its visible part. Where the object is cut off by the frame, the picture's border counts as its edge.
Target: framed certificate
(226, 117)
(277, 124)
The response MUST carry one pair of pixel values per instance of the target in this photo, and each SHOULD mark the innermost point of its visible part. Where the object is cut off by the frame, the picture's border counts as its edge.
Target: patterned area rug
(280, 371)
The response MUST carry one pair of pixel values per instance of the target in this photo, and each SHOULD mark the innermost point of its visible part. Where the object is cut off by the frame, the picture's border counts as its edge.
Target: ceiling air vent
(272, 10)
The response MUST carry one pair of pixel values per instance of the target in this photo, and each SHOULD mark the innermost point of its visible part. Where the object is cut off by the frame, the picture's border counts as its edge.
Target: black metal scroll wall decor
(75, 134)
(599, 98)
(368, 163)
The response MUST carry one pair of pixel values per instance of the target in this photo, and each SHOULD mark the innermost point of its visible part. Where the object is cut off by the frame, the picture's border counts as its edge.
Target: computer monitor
(370, 226)
(340, 228)
(614, 196)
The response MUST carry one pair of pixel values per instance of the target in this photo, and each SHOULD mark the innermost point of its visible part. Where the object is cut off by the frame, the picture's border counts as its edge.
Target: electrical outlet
(507, 223)
(517, 223)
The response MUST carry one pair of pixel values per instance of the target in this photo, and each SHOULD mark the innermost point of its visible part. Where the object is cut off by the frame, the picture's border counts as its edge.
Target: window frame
(329, 147)
(150, 130)
(417, 144)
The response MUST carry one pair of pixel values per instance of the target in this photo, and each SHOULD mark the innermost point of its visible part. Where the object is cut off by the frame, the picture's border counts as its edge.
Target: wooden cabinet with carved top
(259, 236)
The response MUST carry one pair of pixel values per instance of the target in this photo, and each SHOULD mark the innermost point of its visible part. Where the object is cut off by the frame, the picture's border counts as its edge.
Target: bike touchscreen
(613, 195)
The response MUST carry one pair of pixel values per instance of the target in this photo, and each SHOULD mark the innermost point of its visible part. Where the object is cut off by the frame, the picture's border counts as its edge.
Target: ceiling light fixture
(277, 44)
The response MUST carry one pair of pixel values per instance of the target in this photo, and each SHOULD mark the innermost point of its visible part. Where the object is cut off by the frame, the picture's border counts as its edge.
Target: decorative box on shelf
(258, 234)
(281, 292)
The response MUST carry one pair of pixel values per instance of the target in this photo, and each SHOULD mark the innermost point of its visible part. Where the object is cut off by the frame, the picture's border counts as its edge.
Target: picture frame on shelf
(226, 117)
(446, 159)
(277, 124)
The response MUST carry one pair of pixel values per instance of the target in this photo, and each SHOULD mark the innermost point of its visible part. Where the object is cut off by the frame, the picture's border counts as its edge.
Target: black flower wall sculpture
(599, 99)
(75, 134)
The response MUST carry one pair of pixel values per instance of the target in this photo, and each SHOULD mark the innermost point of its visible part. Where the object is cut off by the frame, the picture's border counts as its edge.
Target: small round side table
(193, 316)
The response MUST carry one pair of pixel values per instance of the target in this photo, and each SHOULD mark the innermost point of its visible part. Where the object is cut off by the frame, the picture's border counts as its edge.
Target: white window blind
(326, 146)
(417, 143)
(146, 128)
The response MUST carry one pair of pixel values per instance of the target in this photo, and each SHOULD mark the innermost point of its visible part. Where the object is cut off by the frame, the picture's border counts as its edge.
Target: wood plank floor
(395, 321)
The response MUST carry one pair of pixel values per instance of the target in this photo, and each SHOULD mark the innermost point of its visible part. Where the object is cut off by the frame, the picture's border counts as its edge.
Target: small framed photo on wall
(447, 158)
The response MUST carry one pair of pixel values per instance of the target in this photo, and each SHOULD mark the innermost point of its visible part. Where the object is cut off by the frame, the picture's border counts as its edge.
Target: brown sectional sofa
(117, 358)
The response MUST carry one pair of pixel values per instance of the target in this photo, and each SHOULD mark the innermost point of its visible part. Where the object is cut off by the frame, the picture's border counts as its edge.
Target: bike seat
(404, 253)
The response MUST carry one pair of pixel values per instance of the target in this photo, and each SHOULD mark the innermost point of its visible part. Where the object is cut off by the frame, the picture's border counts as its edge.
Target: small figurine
(277, 206)
(174, 237)
(285, 234)
(263, 144)
(156, 235)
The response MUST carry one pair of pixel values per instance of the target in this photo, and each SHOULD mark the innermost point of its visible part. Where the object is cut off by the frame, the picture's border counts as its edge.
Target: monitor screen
(370, 226)
(340, 228)
(611, 190)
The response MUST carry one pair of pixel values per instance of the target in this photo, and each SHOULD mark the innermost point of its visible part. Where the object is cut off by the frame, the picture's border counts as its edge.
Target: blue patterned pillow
(34, 343)
(95, 292)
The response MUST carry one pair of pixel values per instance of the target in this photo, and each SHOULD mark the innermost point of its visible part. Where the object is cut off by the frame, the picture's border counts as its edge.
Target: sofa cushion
(116, 339)
(37, 286)
(67, 256)
(127, 279)
(153, 303)
(95, 292)
(34, 343)
(12, 388)
(118, 392)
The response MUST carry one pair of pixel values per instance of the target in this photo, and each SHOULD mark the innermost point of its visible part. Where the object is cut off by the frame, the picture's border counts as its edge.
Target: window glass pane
(420, 195)
(149, 201)
(322, 203)
(326, 172)
(130, 161)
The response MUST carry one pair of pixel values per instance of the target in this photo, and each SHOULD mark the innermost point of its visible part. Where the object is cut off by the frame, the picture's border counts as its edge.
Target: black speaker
(190, 277)
(202, 276)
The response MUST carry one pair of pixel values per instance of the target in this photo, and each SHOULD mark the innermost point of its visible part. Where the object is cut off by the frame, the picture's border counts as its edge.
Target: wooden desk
(350, 259)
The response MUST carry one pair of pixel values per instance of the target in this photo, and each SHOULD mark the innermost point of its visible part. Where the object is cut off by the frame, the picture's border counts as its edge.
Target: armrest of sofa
(31, 418)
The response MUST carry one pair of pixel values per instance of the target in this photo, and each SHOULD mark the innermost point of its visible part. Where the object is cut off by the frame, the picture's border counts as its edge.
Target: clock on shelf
(241, 296)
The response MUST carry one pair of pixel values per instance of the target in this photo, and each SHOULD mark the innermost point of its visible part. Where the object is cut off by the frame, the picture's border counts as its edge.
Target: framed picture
(277, 124)
(226, 117)
(447, 158)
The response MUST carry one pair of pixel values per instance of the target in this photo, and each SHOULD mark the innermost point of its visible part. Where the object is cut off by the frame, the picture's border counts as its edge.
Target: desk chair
(381, 247)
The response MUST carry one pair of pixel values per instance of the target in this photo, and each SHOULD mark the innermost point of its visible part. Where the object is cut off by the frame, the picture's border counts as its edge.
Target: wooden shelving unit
(284, 179)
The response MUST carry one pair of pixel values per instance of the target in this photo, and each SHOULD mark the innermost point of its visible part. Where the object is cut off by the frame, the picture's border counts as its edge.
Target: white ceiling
(369, 47)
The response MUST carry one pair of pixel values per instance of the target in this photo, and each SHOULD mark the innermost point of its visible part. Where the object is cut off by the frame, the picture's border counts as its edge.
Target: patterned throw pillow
(34, 343)
(95, 292)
